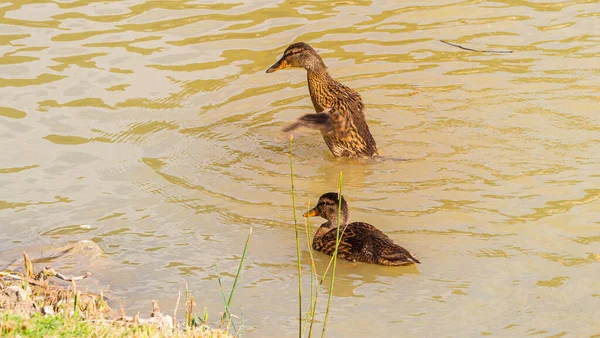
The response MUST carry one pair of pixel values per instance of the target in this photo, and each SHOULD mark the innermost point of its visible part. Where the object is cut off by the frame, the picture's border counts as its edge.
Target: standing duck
(339, 116)
(360, 242)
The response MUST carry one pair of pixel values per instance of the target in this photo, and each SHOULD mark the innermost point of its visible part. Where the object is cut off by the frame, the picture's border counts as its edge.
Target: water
(152, 129)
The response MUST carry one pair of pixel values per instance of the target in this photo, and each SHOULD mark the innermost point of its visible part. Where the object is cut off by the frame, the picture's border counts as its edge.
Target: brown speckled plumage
(360, 242)
(346, 132)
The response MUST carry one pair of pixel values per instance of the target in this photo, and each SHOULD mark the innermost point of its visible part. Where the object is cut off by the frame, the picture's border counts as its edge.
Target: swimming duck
(339, 116)
(360, 242)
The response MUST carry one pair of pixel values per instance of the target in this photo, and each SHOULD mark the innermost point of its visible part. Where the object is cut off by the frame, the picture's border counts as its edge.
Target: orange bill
(277, 66)
(312, 213)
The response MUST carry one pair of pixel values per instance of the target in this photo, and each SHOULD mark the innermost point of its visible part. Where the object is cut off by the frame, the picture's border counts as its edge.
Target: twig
(6, 274)
(72, 278)
(107, 321)
(476, 50)
(31, 281)
(40, 283)
(175, 310)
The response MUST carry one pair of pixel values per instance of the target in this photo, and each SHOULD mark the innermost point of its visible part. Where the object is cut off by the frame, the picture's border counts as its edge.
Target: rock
(15, 294)
(158, 318)
(48, 310)
(80, 253)
(163, 321)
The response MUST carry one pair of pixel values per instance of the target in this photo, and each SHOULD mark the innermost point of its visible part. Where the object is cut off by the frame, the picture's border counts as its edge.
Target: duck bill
(312, 213)
(277, 66)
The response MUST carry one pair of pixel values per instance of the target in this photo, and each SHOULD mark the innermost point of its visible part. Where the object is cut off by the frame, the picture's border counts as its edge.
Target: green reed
(239, 271)
(227, 314)
(297, 241)
(314, 278)
(334, 256)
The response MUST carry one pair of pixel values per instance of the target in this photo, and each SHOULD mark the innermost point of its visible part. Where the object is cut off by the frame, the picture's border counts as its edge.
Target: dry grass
(31, 305)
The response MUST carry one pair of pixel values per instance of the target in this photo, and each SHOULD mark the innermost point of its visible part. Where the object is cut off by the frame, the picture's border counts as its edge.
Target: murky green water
(152, 129)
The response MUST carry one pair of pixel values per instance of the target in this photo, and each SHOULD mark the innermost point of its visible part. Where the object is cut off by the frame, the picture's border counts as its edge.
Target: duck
(360, 242)
(339, 109)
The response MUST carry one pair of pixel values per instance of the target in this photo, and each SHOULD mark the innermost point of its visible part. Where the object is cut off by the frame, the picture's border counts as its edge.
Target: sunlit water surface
(152, 129)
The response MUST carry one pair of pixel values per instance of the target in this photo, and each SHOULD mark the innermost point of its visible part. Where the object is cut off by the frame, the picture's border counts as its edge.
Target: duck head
(300, 55)
(327, 207)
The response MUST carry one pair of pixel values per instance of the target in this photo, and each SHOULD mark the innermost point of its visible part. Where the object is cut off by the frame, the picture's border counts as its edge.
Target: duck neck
(332, 220)
(332, 223)
(318, 82)
(323, 229)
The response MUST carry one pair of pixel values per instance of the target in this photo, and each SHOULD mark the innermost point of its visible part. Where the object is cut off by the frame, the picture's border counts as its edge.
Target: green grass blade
(226, 314)
(314, 279)
(239, 271)
(297, 243)
(335, 252)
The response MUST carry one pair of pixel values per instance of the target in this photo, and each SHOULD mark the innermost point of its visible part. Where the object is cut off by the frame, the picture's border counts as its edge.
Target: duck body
(346, 133)
(353, 138)
(360, 242)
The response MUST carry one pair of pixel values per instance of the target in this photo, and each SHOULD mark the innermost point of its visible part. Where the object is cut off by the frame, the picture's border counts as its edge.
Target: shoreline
(36, 305)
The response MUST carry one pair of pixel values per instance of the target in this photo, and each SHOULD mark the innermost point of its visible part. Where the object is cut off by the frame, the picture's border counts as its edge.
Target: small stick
(72, 278)
(6, 274)
(476, 50)
(175, 311)
(31, 281)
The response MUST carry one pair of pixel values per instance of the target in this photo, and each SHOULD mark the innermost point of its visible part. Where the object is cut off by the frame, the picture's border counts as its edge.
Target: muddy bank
(34, 299)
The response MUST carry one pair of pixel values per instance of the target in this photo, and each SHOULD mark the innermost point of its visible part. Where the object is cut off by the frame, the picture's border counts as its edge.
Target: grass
(18, 324)
(77, 314)
(226, 318)
(21, 325)
(309, 318)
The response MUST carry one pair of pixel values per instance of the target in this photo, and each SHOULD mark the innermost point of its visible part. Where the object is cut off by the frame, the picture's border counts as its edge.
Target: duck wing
(353, 245)
(385, 250)
(329, 123)
(362, 242)
(326, 243)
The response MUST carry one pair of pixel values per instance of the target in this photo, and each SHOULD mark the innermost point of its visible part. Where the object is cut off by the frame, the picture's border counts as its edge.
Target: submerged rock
(79, 253)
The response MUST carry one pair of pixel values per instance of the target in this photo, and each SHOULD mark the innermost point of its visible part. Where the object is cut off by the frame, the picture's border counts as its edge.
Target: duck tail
(398, 258)
(415, 260)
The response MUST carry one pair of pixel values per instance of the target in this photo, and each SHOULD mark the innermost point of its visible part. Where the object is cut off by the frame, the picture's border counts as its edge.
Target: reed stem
(297, 243)
(335, 252)
(314, 278)
(227, 314)
(239, 271)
